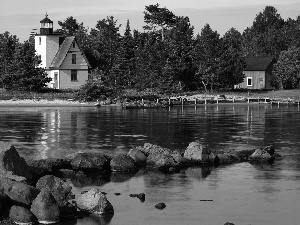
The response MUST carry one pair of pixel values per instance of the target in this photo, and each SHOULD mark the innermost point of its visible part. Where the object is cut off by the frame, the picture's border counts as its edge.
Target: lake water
(241, 193)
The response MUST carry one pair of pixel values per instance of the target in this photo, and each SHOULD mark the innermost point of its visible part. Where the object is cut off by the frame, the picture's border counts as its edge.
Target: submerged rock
(94, 201)
(45, 207)
(12, 164)
(122, 163)
(21, 215)
(160, 205)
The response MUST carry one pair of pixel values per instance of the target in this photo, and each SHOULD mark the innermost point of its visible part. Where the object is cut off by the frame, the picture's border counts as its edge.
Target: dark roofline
(258, 63)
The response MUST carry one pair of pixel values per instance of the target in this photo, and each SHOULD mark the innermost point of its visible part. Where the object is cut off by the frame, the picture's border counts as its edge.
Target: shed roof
(258, 64)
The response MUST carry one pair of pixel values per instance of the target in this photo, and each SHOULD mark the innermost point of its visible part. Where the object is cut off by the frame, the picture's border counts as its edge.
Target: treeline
(166, 55)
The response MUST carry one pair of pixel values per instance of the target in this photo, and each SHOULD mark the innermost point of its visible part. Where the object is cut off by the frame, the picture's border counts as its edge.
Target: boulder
(262, 155)
(11, 163)
(178, 158)
(20, 193)
(45, 208)
(138, 156)
(122, 163)
(21, 215)
(197, 153)
(95, 202)
(56, 186)
(49, 165)
(148, 149)
(90, 162)
(225, 158)
(243, 155)
(161, 161)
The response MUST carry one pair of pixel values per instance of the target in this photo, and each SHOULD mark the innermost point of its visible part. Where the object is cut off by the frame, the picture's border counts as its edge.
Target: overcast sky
(19, 17)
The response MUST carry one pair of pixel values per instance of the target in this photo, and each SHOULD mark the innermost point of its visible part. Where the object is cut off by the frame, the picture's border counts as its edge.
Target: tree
(158, 18)
(8, 45)
(70, 26)
(24, 73)
(206, 56)
(264, 37)
(232, 60)
(286, 72)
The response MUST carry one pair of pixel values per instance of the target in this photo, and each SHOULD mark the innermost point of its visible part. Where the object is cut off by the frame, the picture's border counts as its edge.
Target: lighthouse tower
(47, 43)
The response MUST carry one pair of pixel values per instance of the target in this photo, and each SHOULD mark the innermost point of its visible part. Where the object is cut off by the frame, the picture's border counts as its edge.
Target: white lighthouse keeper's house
(62, 57)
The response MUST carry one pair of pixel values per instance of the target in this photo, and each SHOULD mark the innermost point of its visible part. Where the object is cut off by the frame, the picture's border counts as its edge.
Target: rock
(197, 153)
(148, 149)
(161, 161)
(122, 163)
(225, 158)
(179, 160)
(243, 155)
(45, 208)
(94, 201)
(262, 155)
(11, 163)
(49, 165)
(21, 215)
(228, 223)
(138, 156)
(56, 186)
(160, 206)
(90, 161)
(20, 193)
(140, 196)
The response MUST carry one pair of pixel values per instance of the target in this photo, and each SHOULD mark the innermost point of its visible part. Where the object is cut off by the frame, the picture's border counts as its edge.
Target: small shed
(258, 73)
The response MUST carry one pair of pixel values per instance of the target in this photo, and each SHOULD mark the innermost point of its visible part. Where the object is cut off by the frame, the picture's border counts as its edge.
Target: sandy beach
(43, 102)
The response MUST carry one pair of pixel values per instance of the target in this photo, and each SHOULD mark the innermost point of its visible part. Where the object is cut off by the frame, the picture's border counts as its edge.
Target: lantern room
(46, 26)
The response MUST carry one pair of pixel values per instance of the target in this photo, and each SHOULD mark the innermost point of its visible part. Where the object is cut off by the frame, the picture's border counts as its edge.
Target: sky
(19, 17)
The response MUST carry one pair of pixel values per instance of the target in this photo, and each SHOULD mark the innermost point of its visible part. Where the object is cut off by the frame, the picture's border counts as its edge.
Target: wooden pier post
(157, 101)
(205, 101)
(248, 100)
(195, 101)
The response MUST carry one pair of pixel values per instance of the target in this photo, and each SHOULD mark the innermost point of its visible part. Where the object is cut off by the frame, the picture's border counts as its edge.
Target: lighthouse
(61, 56)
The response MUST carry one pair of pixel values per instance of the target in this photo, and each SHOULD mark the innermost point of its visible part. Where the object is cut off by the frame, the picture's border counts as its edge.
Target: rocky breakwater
(35, 190)
(47, 200)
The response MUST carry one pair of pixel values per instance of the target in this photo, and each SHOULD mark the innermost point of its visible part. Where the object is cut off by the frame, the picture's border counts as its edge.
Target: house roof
(258, 64)
(62, 53)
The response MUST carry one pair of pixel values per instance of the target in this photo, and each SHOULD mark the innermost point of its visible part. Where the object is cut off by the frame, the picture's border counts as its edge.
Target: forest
(166, 55)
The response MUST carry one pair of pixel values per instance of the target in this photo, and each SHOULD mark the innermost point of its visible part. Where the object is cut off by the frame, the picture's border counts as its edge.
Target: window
(73, 58)
(249, 81)
(40, 40)
(73, 75)
(55, 76)
(74, 44)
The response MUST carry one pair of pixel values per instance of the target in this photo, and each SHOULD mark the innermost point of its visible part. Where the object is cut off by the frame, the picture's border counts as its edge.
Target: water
(241, 193)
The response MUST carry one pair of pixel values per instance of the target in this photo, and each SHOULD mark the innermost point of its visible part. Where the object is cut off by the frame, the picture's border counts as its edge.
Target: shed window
(73, 75)
(73, 58)
(249, 81)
